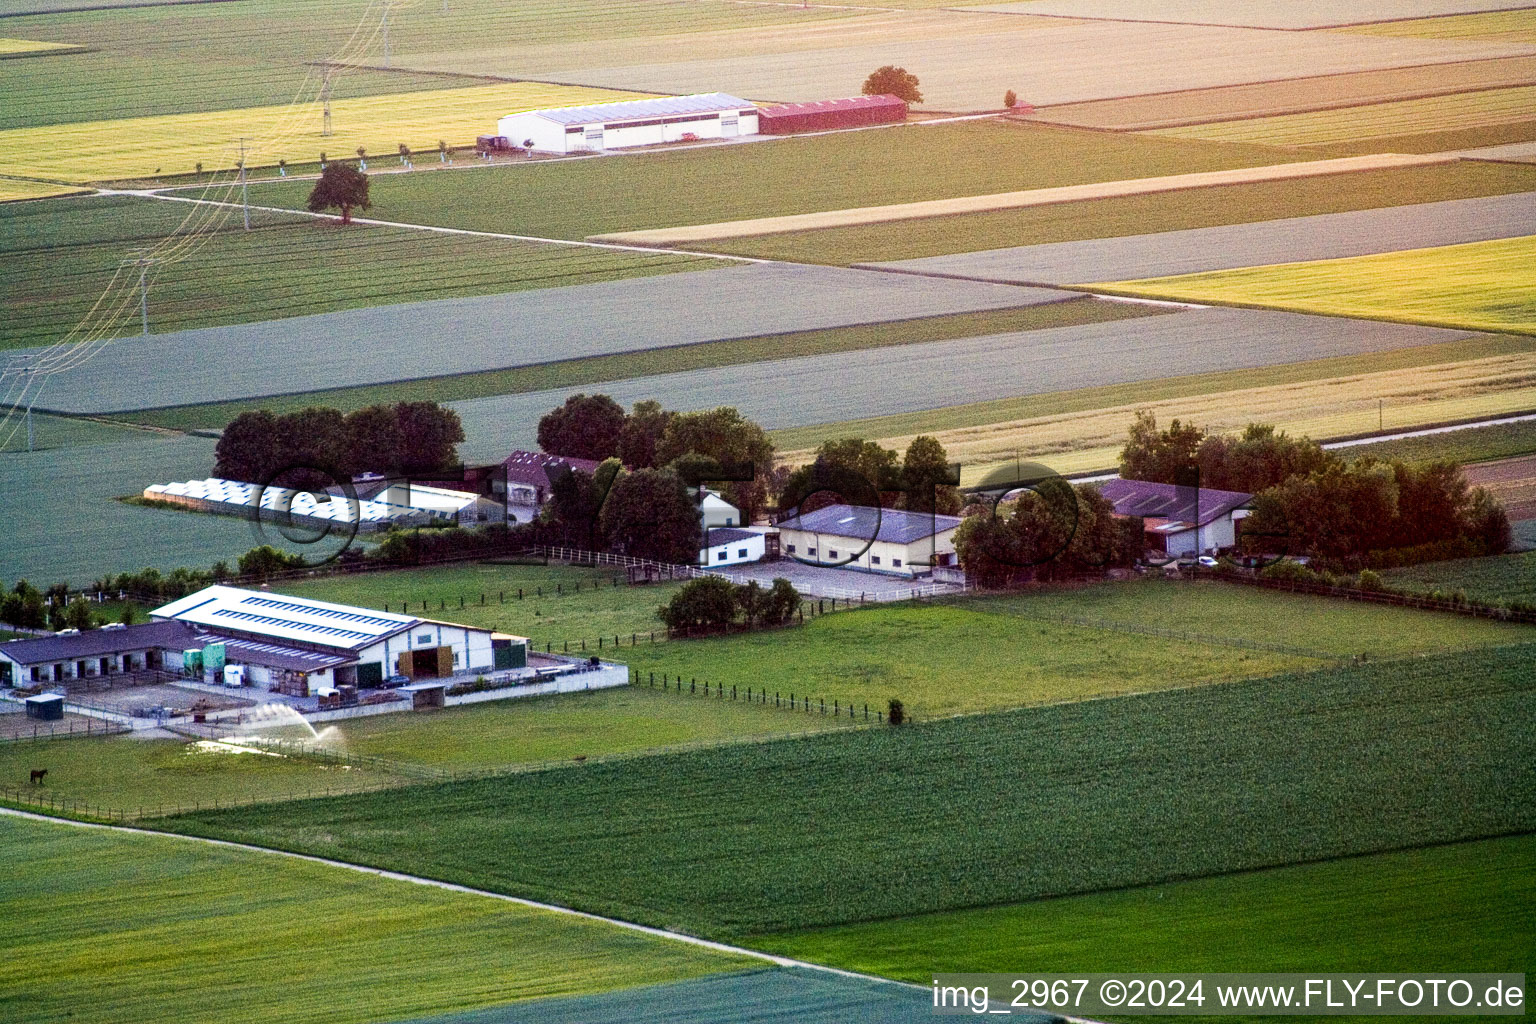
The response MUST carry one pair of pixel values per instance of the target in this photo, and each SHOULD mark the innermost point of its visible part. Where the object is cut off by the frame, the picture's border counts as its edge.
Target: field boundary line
(863, 215)
(398, 876)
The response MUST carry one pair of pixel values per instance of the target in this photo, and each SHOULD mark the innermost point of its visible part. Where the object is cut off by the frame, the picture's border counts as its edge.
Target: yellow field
(144, 146)
(1478, 286)
(12, 190)
(1085, 440)
(1504, 26)
(1376, 120)
(12, 47)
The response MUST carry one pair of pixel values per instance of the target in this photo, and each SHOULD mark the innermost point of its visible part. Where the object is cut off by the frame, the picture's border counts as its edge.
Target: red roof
(533, 467)
(818, 106)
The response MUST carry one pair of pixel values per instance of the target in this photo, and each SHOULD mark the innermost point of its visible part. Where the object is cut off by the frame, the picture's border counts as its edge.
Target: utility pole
(144, 296)
(325, 101)
(245, 196)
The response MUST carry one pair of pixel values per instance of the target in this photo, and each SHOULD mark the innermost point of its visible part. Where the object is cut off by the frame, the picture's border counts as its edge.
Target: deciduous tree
(650, 514)
(585, 427)
(893, 81)
(341, 187)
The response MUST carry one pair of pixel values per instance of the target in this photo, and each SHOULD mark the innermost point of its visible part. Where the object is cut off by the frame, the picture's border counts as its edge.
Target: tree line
(318, 446)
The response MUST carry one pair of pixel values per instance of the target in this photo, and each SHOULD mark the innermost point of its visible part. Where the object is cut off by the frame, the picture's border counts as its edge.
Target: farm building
(715, 511)
(529, 480)
(732, 546)
(463, 507)
(1180, 521)
(825, 115)
(295, 644)
(285, 504)
(110, 650)
(880, 540)
(633, 123)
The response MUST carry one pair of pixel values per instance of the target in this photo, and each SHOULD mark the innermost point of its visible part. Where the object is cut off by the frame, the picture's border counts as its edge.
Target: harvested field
(1478, 286)
(823, 389)
(1082, 431)
(697, 233)
(401, 342)
(1253, 13)
(1265, 99)
(1144, 214)
(973, 72)
(12, 189)
(1377, 120)
(1512, 482)
(140, 147)
(1505, 26)
(1329, 236)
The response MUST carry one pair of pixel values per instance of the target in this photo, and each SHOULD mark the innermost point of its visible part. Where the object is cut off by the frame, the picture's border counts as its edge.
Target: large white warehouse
(714, 115)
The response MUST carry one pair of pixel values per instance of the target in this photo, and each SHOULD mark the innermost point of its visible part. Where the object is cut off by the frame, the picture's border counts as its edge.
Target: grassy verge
(1481, 286)
(783, 176)
(1501, 578)
(1136, 215)
(136, 928)
(598, 369)
(283, 267)
(1465, 903)
(878, 823)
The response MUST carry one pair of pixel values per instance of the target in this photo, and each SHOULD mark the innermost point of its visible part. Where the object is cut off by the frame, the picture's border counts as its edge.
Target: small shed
(825, 115)
(47, 707)
(426, 695)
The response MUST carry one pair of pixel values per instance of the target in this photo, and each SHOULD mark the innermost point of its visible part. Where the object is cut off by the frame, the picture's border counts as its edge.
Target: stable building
(1180, 522)
(831, 115)
(296, 645)
(883, 540)
(728, 546)
(650, 122)
(108, 651)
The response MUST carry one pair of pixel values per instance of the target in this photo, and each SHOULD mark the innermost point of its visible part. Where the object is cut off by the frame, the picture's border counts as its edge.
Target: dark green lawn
(966, 812)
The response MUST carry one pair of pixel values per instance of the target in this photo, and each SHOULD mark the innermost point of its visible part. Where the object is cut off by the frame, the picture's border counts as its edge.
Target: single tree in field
(893, 81)
(442, 151)
(1010, 99)
(362, 157)
(199, 172)
(405, 155)
(282, 168)
(342, 187)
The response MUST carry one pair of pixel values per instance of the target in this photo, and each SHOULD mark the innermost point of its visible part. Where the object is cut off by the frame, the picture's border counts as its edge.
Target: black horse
(37, 775)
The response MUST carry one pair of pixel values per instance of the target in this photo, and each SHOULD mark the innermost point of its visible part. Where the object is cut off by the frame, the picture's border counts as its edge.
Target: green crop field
(944, 660)
(573, 199)
(1071, 798)
(1481, 286)
(127, 774)
(137, 928)
(589, 725)
(1477, 444)
(706, 355)
(65, 432)
(1135, 215)
(559, 602)
(1465, 903)
(283, 267)
(1498, 579)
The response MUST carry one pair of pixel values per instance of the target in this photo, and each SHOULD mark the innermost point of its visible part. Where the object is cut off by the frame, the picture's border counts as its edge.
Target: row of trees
(861, 472)
(26, 606)
(1310, 501)
(407, 437)
(714, 603)
(1051, 531)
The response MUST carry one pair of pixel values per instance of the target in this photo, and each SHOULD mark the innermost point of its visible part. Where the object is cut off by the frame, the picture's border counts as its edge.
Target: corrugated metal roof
(638, 110)
(729, 535)
(524, 467)
(1197, 505)
(820, 106)
(864, 523)
(94, 643)
(285, 618)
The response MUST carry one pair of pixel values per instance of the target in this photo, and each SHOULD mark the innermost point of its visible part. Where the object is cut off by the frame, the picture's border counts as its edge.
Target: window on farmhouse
(723, 554)
(790, 548)
(424, 638)
(896, 562)
(831, 554)
(874, 559)
(741, 553)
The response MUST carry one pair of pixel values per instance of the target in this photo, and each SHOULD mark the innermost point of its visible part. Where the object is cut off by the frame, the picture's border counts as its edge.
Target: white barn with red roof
(1180, 521)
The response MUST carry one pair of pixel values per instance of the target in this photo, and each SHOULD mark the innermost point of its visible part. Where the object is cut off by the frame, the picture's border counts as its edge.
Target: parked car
(1207, 562)
(396, 680)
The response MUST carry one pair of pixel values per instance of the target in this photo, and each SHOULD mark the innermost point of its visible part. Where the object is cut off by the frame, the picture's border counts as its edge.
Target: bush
(1371, 582)
(710, 602)
(896, 712)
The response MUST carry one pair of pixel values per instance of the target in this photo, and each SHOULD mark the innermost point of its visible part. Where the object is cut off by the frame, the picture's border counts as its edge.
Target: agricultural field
(63, 432)
(286, 266)
(677, 359)
(1137, 215)
(970, 811)
(1466, 903)
(12, 48)
(127, 774)
(603, 723)
(574, 199)
(1505, 26)
(1375, 121)
(1479, 444)
(1250, 15)
(1476, 286)
(1500, 579)
(15, 189)
(560, 602)
(142, 147)
(141, 928)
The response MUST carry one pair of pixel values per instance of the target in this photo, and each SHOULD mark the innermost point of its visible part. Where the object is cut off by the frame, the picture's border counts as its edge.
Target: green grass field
(1467, 903)
(1135, 215)
(589, 725)
(1481, 286)
(1478, 444)
(783, 176)
(127, 774)
(1497, 579)
(61, 254)
(66, 432)
(559, 602)
(136, 928)
(878, 823)
(619, 366)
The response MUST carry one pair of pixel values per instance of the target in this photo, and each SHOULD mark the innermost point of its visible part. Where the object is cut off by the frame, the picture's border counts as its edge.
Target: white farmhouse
(1180, 521)
(883, 540)
(650, 122)
(728, 546)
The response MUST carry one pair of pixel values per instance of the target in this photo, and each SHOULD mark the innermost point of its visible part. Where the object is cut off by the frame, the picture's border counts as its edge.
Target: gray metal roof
(863, 523)
(95, 643)
(728, 535)
(639, 110)
(1199, 505)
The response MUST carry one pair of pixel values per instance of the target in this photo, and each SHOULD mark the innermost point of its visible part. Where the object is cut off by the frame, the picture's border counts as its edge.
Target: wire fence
(69, 729)
(852, 710)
